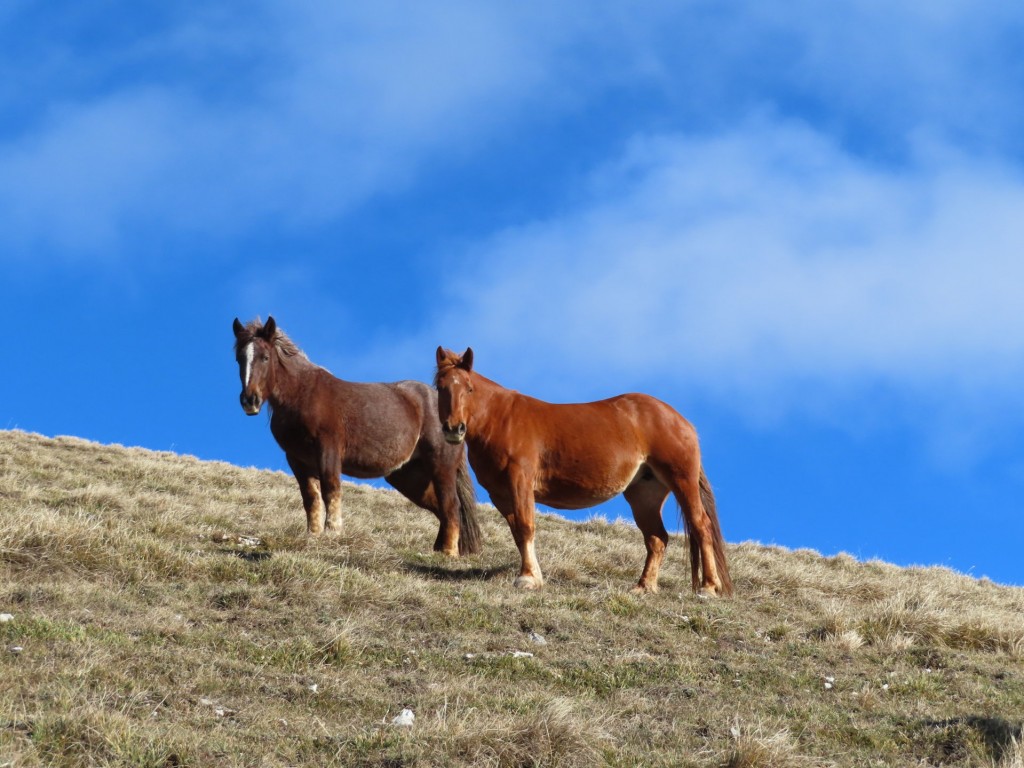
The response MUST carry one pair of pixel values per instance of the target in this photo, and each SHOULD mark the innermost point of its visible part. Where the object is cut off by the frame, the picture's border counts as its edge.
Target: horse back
(577, 454)
(359, 429)
(633, 421)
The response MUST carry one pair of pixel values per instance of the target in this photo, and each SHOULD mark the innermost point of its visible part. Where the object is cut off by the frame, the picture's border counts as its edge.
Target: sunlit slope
(168, 611)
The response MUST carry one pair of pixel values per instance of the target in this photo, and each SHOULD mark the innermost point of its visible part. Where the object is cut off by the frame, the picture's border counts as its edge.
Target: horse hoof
(706, 593)
(643, 589)
(527, 582)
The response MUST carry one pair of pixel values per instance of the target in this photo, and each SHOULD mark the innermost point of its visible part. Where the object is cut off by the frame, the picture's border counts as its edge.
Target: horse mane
(440, 369)
(286, 348)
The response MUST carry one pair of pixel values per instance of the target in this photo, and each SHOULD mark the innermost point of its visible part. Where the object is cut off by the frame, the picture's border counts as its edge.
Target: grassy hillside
(171, 612)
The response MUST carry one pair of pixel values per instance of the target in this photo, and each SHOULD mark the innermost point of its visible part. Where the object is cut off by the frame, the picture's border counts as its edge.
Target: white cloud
(340, 105)
(300, 111)
(753, 267)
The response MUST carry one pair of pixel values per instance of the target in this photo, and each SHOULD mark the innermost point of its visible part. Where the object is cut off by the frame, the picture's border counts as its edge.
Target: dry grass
(172, 612)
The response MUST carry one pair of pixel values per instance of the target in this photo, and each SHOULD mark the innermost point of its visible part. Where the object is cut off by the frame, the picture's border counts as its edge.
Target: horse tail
(470, 540)
(707, 498)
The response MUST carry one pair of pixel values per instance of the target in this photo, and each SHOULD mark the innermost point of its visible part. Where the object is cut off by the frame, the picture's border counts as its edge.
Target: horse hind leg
(646, 498)
(424, 490)
(701, 529)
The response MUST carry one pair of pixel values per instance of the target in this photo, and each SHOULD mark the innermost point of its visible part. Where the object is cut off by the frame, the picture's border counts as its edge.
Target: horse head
(454, 382)
(254, 351)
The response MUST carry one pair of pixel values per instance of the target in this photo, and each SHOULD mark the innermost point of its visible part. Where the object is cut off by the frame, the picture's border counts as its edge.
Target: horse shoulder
(514, 433)
(492, 464)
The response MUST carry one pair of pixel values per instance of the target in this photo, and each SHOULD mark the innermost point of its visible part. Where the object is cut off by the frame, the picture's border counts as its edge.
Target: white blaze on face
(250, 353)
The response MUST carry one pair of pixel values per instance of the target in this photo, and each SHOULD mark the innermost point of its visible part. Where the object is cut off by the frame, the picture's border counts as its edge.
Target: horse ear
(270, 328)
(467, 360)
(441, 355)
(237, 327)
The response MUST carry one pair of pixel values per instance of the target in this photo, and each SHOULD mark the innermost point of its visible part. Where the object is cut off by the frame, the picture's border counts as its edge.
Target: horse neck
(493, 402)
(290, 382)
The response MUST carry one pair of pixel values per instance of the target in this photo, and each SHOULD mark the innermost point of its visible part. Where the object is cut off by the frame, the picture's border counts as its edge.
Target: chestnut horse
(577, 455)
(328, 427)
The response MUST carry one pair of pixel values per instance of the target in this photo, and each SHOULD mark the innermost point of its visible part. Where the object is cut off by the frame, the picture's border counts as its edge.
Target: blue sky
(802, 225)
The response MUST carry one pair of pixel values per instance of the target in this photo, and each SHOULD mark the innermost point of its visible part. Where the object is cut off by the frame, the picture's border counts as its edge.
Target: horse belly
(579, 487)
(377, 460)
(573, 498)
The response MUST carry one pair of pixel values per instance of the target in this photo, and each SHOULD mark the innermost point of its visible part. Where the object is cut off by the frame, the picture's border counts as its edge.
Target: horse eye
(266, 358)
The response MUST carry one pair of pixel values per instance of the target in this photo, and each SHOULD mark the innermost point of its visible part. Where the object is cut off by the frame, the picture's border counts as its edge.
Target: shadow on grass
(249, 555)
(999, 735)
(440, 573)
(255, 557)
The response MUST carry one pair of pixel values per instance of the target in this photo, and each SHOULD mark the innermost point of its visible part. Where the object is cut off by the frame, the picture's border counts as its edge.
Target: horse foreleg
(309, 488)
(520, 514)
(646, 498)
(331, 487)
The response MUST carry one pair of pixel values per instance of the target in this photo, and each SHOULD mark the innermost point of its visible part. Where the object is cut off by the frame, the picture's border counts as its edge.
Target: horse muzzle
(251, 404)
(454, 435)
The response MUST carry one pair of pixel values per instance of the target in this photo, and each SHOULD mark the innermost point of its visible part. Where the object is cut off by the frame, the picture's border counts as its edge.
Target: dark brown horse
(328, 427)
(575, 456)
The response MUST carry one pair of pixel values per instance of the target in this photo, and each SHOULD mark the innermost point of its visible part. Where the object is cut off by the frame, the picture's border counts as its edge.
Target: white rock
(5, 617)
(315, 688)
(521, 655)
(16, 649)
(537, 639)
(404, 719)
